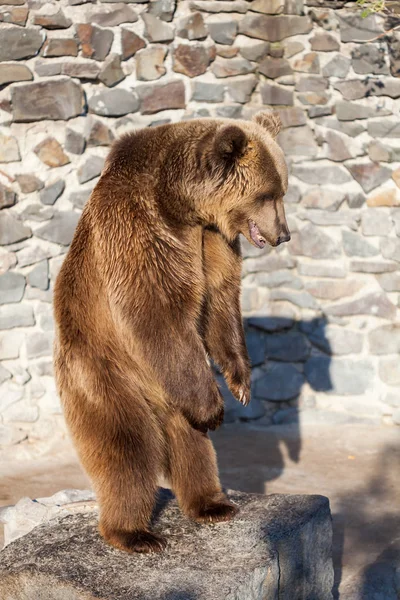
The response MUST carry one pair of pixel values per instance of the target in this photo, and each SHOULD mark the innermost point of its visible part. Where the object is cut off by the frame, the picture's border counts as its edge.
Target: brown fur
(149, 288)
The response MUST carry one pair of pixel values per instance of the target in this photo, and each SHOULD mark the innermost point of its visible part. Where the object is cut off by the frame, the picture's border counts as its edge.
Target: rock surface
(277, 546)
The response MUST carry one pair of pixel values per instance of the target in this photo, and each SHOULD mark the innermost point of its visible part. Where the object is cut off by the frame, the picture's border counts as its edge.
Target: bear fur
(149, 289)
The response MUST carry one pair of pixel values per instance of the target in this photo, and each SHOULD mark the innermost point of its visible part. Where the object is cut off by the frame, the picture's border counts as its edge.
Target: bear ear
(270, 121)
(230, 142)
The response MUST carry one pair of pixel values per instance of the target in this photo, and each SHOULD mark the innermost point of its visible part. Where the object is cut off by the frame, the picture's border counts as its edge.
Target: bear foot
(214, 512)
(136, 541)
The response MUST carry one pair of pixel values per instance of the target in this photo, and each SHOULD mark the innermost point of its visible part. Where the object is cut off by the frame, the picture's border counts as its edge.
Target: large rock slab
(278, 546)
(52, 99)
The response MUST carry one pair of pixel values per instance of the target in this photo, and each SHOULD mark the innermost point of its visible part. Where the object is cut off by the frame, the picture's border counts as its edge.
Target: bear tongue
(256, 235)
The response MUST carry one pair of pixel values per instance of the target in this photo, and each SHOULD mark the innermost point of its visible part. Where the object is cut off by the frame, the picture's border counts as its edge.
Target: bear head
(244, 178)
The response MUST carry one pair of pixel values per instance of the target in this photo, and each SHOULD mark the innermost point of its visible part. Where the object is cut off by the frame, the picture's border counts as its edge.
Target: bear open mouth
(255, 235)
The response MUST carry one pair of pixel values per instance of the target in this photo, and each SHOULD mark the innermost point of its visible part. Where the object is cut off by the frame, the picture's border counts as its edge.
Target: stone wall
(321, 312)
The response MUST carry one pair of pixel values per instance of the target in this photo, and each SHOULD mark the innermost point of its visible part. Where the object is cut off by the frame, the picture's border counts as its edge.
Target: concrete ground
(356, 465)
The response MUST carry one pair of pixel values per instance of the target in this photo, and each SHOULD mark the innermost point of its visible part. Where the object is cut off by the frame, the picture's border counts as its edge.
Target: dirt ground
(356, 466)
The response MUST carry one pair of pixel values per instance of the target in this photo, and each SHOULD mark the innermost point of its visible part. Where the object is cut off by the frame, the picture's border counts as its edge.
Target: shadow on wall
(290, 359)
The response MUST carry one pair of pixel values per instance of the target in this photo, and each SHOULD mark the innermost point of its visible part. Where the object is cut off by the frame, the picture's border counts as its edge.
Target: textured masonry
(322, 313)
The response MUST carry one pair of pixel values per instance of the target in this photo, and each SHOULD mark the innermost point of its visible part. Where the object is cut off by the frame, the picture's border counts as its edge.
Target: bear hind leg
(193, 473)
(121, 448)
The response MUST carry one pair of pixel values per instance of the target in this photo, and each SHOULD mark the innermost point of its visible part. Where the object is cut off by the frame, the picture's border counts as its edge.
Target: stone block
(390, 282)
(18, 43)
(50, 152)
(156, 97)
(272, 94)
(273, 28)
(81, 69)
(355, 28)
(113, 103)
(369, 58)
(7, 197)
(12, 230)
(113, 16)
(90, 168)
(323, 198)
(205, 91)
(157, 30)
(217, 6)
(369, 175)
(130, 43)
(326, 289)
(275, 67)
(46, 68)
(52, 191)
(39, 276)
(384, 197)
(308, 63)
(164, 9)
(228, 67)
(389, 370)
(376, 222)
(314, 174)
(382, 128)
(20, 315)
(287, 347)
(35, 101)
(54, 20)
(339, 376)
(373, 266)
(390, 248)
(96, 42)
(286, 540)
(314, 242)
(240, 89)
(281, 382)
(60, 229)
(355, 245)
(111, 72)
(37, 212)
(192, 59)
(98, 134)
(10, 345)
(324, 269)
(13, 72)
(222, 28)
(79, 198)
(376, 304)
(29, 183)
(60, 47)
(192, 27)
(385, 339)
(39, 344)
(17, 15)
(324, 42)
(337, 67)
(354, 89)
(74, 141)
(150, 63)
(298, 141)
(251, 49)
(337, 341)
(12, 286)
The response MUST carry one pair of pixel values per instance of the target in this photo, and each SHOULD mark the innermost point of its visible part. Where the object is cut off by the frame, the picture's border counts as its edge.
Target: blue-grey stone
(255, 342)
(287, 347)
(281, 381)
(12, 286)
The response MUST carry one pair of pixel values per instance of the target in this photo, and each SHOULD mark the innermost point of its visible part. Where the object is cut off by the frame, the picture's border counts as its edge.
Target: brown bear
(149, 290)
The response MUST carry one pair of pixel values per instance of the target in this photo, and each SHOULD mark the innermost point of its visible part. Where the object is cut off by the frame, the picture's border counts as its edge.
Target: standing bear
(149, 290)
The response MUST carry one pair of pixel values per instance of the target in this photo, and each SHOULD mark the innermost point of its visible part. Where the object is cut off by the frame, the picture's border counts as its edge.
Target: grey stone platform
(277, 548)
